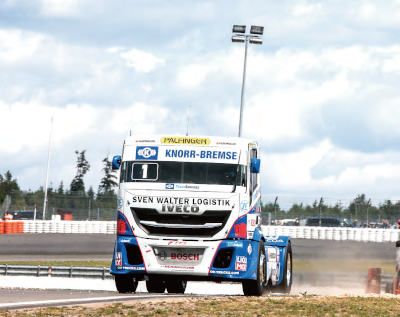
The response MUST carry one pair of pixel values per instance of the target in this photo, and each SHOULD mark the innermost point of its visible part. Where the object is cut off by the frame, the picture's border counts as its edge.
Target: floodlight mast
(240, 36)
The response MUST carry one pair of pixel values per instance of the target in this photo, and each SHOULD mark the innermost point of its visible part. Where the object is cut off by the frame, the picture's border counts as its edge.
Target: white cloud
(60, 8)
(140, 118)
(326, 170)
(17, 46)
(141, 61)
(304, 9)
(192, 76)
(27, 125)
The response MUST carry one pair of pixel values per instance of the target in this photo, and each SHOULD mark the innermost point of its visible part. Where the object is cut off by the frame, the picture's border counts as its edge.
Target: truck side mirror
(116, 162)
(255, 165)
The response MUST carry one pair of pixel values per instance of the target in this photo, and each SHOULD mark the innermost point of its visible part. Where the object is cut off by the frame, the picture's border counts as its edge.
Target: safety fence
(55, 271)
(295, 232)
(332, 233)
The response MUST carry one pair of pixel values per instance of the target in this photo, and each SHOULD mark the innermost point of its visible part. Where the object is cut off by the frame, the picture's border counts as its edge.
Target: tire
(155, 285)
(287, 281)
(256, 287)
(125, 284)
(176, 286)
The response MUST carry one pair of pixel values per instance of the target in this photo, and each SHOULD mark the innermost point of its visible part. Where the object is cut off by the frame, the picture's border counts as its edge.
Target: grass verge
(231, 306)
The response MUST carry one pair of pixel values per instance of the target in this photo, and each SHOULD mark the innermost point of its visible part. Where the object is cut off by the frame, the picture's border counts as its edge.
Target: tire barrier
(11, 227)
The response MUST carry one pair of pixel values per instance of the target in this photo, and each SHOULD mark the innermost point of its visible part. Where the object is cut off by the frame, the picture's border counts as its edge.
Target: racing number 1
(145, 168)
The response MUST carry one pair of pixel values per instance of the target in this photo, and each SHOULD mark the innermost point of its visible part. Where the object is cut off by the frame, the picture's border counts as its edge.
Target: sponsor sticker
(118, 259)
(169, 186)
(178, 256)
(133, 268)
(241, 263)
(244, 205)
(249, 249)
(147, 152)
(224, 272)
(185, 140)
(237, 244)
(201, 154)
(177, 242)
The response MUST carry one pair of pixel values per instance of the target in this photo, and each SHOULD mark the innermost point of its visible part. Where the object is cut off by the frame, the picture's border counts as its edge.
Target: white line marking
(81, 300)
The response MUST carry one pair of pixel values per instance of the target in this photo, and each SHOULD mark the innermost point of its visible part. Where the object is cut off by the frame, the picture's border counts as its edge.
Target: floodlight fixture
(238, 38)
(255, 29)
(239, 29)
(255, 40)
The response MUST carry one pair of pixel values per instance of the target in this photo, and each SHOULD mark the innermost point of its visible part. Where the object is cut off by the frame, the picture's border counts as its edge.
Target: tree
(109, 180)
(8, 185)
(90, 193)
(60, 189)
(82, 167)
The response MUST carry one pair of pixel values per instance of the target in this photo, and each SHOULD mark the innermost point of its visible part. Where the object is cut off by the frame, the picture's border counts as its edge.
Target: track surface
(100, 247)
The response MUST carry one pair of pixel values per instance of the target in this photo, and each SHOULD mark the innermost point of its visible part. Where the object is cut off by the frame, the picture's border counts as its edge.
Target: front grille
(205, 225)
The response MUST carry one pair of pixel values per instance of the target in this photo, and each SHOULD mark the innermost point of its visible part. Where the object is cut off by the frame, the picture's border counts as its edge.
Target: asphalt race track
(100, 247)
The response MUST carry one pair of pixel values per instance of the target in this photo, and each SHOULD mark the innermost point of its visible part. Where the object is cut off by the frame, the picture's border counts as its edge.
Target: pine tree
(8, 185)
(109, 180)
(90, 193)
(82, 167)
(60, 189)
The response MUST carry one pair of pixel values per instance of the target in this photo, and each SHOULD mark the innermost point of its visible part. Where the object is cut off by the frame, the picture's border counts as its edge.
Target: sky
(322, 93)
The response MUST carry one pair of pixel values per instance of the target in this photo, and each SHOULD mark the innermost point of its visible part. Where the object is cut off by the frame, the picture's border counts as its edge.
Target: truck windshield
(183, 172)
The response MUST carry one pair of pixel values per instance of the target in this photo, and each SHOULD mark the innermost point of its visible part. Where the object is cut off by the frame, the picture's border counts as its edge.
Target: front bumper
(195, 260)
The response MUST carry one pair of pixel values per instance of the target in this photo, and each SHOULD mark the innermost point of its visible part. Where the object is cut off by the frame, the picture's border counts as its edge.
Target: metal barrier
(49, 226)
(56, 271)
(330, 233)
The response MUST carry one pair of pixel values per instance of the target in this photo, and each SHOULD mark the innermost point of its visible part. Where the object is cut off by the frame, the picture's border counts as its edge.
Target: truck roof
(192, 140)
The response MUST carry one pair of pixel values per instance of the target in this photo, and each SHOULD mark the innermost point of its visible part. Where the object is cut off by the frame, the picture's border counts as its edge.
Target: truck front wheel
(176, 286)
(125, 284)
(256, 287)
(155, 285)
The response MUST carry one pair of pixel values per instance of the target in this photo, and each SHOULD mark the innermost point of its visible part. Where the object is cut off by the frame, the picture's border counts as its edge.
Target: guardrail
(55, 271)
(295, 232)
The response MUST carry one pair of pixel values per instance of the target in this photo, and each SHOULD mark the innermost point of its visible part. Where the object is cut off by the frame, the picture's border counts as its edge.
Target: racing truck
(189, 209)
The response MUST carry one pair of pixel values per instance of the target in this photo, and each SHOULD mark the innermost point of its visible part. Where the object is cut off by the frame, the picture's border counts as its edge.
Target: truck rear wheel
(256, 287)
(125, 284)
(286, 284)
(176, 286)
(155, 285)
